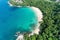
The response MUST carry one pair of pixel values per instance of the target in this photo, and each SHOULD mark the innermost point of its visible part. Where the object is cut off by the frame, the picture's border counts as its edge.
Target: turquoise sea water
(13, 19)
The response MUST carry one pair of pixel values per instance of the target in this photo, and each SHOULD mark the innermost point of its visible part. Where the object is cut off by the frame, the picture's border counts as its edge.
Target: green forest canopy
(50, 27)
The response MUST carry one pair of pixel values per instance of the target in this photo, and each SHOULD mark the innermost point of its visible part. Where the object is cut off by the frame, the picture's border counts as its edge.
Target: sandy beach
(38, 13)
(39, 18)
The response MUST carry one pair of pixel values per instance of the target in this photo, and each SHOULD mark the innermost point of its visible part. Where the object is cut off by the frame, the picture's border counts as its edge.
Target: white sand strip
(39, 16)
(38, 13)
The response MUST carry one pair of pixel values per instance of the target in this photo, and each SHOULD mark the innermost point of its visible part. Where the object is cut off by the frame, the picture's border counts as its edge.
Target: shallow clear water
(13, 19)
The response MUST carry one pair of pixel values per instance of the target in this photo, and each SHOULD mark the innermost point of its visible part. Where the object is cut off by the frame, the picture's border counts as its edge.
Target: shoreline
(37, 29)
(39, 15)
(12, 5)
(39, 18)
(16, 6)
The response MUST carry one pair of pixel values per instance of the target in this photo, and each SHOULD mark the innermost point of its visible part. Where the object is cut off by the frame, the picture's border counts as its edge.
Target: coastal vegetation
(50, 27)
(22, 2)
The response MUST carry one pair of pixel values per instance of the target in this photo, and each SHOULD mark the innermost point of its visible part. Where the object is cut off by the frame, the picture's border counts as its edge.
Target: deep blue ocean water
(13, 19)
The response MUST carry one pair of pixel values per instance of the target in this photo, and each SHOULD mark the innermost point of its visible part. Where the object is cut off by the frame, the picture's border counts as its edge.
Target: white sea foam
(10, 4)
(20, 37)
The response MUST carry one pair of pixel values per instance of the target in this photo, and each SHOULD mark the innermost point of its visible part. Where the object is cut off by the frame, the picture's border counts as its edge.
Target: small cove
(13, 19)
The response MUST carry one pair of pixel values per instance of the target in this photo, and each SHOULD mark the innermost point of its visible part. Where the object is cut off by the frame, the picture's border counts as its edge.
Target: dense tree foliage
(50, 27)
